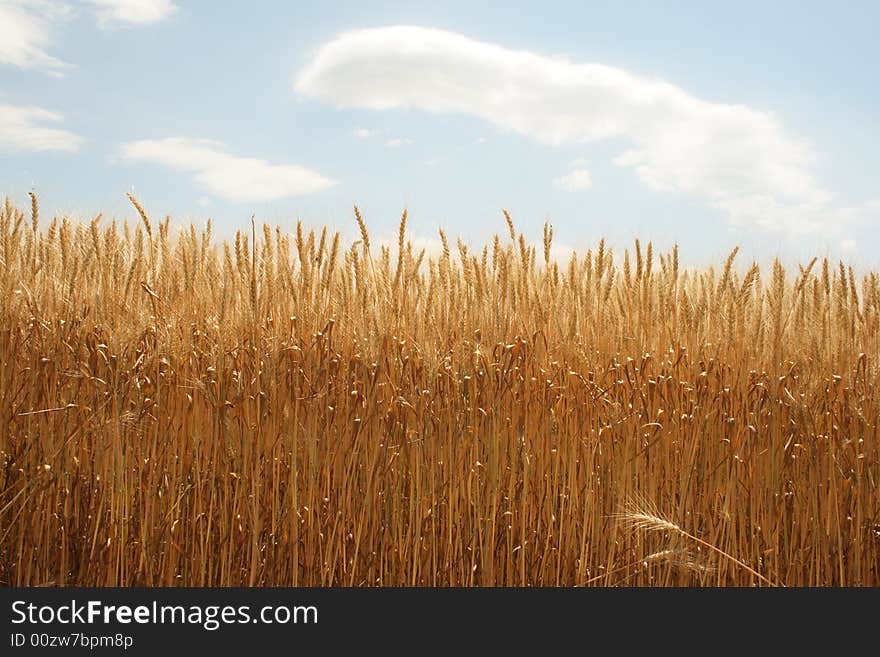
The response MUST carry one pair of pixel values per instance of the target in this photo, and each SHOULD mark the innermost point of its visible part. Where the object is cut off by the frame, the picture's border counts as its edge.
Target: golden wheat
(290, 410)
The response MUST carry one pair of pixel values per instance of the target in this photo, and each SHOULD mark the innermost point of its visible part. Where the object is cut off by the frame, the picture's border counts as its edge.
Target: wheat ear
(641, 514)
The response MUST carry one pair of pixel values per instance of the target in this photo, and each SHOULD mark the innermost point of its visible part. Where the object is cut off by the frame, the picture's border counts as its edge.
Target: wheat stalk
(642, 515)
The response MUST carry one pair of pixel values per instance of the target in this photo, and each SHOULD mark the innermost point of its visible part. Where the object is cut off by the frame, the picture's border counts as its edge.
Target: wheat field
(284, 408)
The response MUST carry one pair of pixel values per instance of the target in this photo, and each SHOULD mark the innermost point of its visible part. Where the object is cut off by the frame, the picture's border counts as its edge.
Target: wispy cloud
(363, 133)
(27, 27)
(129, 13)
(575, 180)
(740, 159)
(21, 131)
(26, 34)
(223, 174)
(848, 246)
(397, 142)
(832, 220)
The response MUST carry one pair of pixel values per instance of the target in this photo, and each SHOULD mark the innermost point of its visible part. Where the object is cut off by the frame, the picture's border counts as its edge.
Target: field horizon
(285, 409)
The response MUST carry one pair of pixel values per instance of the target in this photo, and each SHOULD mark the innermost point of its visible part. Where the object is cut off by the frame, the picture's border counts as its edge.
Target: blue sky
(706, 124)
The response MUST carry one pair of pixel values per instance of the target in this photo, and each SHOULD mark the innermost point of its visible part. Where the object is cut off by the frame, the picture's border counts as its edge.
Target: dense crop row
(286, 409)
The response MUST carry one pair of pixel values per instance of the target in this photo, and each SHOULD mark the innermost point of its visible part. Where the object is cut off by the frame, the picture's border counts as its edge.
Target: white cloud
(432, 245)
(799, 219)
(21, 131)
(26, 27)
(126, 13)
(26, 34)
(363, 133)
(204, 201)
(575, 180)
(738, 158)
(225, 175)
(397, 142)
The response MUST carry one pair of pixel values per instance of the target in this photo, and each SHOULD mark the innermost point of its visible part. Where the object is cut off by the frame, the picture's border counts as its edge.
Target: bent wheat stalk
(640, 514)
(678, 557)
